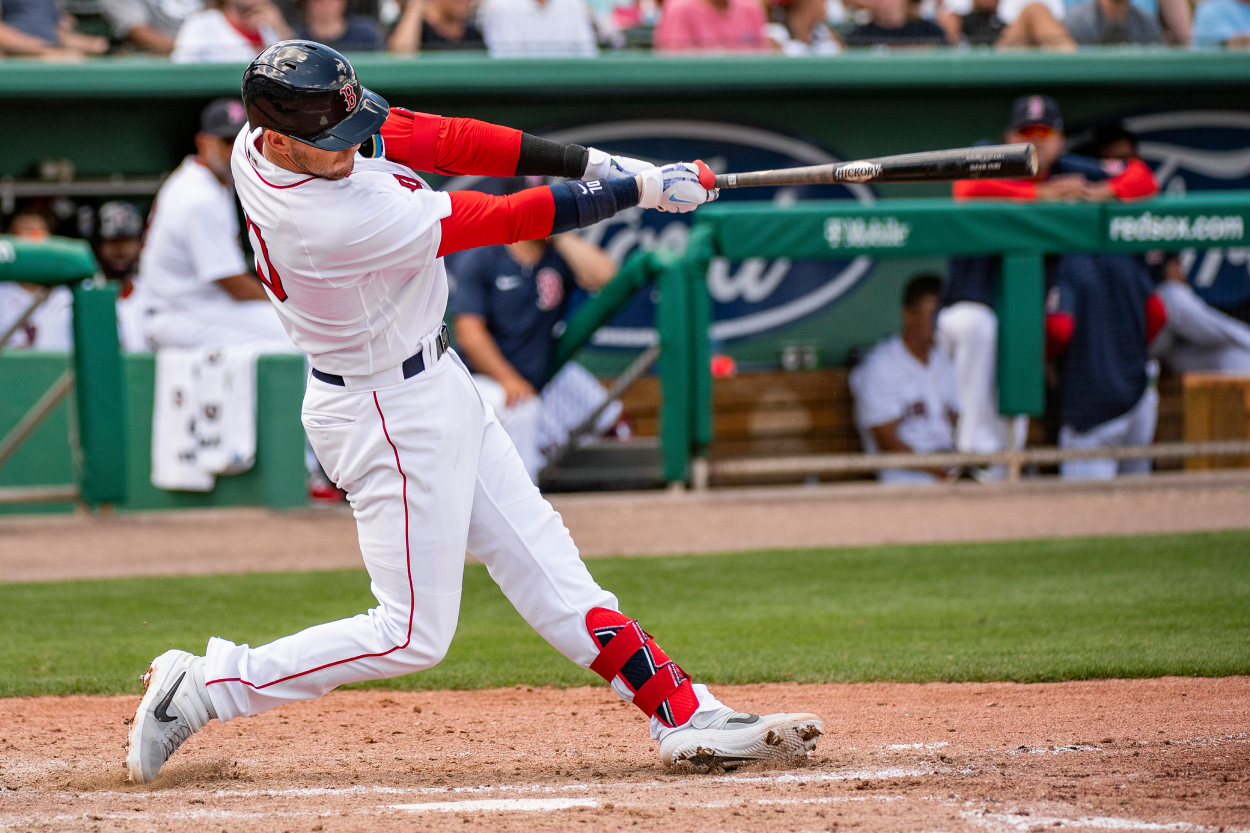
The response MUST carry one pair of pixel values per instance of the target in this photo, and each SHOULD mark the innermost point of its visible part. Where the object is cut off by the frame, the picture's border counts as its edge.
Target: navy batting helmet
(310, 92)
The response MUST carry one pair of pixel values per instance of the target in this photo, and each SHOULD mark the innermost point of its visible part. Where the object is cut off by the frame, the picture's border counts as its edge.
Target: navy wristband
(581, 204)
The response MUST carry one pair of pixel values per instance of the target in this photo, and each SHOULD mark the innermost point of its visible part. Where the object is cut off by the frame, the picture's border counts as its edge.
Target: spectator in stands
(197, 286)
(538, 28)
(38, 28)
(1222, 23)
(896, 23)
(711, 26)
(49, 327)
(229, 31)
(1112, 21)
(505, 301)
(1009, 24)
(118, 244)
(904, 390)
(967, 323)
(327, 21)
(149, 25)
(435, 25)
(802, 30)
(1102, 314)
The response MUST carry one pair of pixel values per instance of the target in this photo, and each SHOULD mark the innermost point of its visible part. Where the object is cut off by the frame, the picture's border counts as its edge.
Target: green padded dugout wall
(277, 480)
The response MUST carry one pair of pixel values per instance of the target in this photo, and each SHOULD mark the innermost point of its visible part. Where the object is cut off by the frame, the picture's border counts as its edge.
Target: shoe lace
(176, 737)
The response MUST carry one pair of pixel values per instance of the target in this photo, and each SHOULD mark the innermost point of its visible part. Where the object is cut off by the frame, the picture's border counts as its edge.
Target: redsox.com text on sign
(1152, 227)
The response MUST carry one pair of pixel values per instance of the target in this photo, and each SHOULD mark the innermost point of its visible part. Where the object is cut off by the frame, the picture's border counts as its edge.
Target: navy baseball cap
(223, 118)
(1035, 109)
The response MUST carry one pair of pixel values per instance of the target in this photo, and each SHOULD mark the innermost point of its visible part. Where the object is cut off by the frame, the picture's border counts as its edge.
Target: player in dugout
(350, 246)
(507, 302)
(967, 323)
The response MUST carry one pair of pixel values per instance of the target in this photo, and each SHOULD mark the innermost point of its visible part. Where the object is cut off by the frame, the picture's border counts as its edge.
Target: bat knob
(706, 178)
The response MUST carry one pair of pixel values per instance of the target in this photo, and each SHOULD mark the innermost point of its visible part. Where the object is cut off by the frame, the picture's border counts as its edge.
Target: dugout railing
(1020, 233)
(93, 380)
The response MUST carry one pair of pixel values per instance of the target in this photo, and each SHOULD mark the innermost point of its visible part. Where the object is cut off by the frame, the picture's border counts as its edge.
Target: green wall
(277, 480)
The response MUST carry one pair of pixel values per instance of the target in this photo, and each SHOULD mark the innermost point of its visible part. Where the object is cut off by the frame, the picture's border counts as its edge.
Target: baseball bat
(986, 162)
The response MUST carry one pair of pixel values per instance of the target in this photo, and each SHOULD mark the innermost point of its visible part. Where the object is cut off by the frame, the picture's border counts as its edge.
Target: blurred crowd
(236, 30)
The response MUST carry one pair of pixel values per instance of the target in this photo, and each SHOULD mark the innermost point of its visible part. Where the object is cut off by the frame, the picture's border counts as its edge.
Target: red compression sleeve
(1059, 329)
(479, 219)
(1011, 189)
(1156, 316)
(1135, 182)
(426, 142)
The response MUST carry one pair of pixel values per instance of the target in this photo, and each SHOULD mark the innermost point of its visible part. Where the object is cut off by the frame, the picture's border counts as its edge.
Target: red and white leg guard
(661, 689)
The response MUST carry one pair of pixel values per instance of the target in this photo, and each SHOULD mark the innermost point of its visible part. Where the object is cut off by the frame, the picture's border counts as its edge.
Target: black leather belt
(412, 365)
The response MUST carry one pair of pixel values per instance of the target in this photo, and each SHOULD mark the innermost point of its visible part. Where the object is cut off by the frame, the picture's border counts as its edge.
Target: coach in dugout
(967, 324)
(506, 301)
(904, 390)
(199, 289)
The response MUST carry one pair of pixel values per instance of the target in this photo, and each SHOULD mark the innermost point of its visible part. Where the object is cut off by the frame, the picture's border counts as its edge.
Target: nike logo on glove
(162, 708)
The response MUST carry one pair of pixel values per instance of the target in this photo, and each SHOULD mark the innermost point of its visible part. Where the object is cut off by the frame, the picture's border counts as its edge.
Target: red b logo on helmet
(349, 95)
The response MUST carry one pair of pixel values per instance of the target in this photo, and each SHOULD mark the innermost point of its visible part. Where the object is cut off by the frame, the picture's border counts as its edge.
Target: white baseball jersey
(192, 241)
(351, 264)
(891, 384)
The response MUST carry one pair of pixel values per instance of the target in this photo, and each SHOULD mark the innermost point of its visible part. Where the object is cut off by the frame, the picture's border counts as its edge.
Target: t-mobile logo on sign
(858, 233)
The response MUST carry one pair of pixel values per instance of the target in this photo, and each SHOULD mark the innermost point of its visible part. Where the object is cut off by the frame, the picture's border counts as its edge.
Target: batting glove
(605, 167)
(675, 188)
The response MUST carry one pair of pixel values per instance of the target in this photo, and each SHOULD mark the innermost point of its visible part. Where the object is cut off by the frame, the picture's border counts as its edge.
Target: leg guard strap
(661, 689)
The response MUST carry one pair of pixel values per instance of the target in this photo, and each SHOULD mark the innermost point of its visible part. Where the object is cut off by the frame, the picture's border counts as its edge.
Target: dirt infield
(43, 548)
(1161, 755)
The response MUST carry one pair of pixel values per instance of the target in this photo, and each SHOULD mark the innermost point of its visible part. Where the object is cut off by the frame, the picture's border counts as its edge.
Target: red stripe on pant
(412, 597)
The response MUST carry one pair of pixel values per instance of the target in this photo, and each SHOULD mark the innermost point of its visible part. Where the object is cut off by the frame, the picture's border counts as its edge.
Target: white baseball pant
(429, 473)
(520, 421)
(968, 331)
(1136, 427)
(1198, 337)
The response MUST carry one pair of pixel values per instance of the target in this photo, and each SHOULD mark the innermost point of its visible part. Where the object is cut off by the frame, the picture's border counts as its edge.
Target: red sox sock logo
(349, 95)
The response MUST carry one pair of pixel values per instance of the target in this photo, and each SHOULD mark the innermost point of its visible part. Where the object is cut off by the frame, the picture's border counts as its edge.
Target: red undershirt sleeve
(426, 142)
(1135, 182)
(1156, 316)
(1011, 189)
(479, 219)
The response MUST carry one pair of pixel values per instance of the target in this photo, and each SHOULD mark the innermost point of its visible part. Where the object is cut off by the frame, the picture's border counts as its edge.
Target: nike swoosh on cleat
(162, 708)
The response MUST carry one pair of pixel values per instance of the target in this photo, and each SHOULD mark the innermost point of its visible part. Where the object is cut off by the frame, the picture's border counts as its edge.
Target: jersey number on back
(273, 280)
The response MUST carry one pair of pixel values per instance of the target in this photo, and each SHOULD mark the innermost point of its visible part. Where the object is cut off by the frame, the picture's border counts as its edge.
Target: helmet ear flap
(373, 147)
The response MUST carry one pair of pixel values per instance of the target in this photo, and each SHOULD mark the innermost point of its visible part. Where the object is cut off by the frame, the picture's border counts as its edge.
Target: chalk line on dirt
(496, 805)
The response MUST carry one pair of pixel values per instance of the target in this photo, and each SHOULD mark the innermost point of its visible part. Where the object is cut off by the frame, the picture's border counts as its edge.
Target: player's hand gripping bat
(987, 162)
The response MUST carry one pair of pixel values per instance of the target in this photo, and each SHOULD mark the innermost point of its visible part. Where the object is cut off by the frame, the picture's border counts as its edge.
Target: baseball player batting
(350, 247)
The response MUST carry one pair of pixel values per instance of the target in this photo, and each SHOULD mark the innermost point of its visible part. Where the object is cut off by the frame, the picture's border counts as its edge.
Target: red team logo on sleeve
(349, 95)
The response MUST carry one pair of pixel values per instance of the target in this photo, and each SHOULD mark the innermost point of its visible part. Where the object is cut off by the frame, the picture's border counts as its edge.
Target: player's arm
(888, 442)
(478, 219)
(243, 287)
(484, 354)
(1135, 182)
(592, 266)
(456, 146)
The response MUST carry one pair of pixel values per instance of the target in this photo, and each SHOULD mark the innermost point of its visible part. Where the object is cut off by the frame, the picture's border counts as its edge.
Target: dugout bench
(1021, 233)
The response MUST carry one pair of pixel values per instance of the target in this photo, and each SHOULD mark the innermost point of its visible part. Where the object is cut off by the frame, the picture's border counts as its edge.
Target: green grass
(1025, 611)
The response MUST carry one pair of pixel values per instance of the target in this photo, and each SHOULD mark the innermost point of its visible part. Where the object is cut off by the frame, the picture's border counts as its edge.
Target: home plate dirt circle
(1151, 755)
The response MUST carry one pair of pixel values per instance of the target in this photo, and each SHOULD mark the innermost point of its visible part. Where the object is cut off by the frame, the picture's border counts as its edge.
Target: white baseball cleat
(175, 705)
(732, 739)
